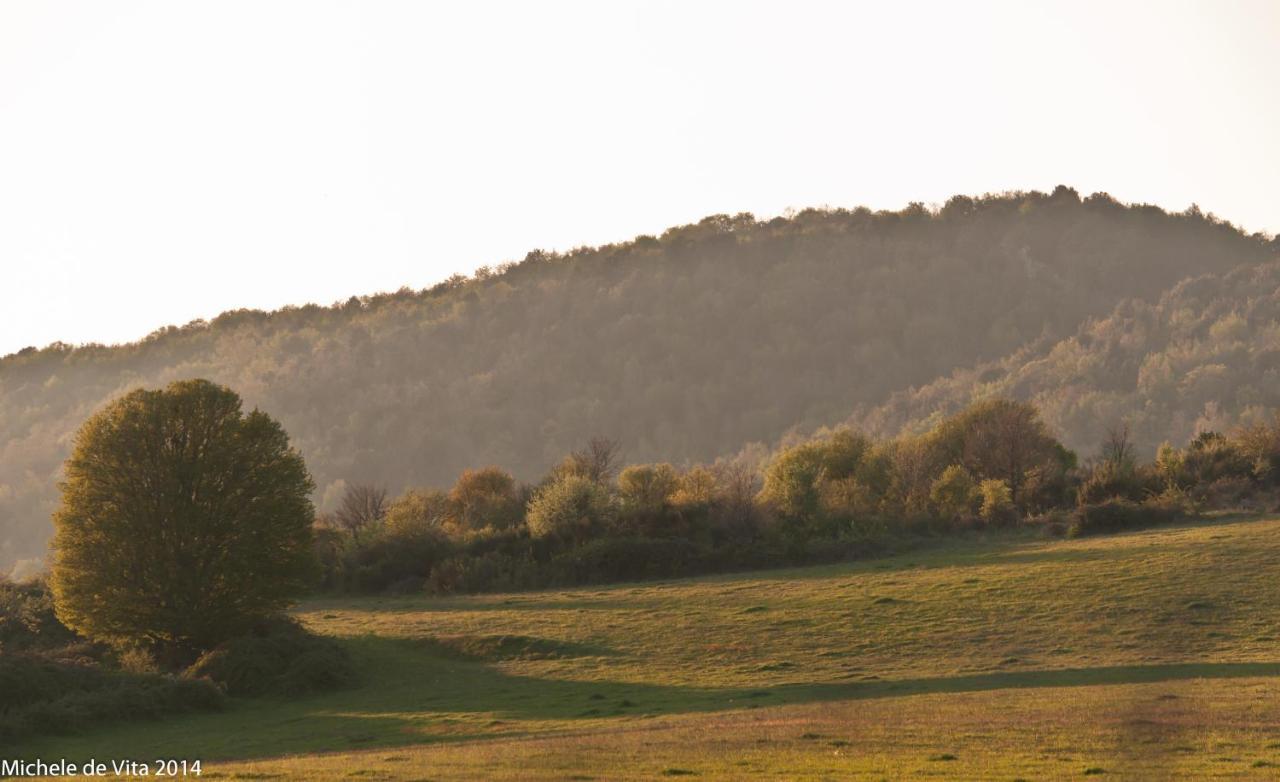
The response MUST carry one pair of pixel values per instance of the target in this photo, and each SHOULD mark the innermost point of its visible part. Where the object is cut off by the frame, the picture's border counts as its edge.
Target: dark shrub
(1108, 480)
(27, 620)
(490, 571)
(44, 696)
(1053, 523)
(1212, 457)
(392, 558)
(279, 659)
(625, 559)
(1119, 514)
(1230, 492)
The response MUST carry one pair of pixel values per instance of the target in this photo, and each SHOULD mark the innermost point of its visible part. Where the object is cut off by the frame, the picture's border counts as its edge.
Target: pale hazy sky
(165, 161)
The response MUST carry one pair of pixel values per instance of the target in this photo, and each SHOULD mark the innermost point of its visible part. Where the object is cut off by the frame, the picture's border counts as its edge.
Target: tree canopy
(183, 521)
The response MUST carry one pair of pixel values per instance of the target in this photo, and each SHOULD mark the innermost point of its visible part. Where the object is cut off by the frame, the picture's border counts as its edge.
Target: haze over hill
(1205, 356)
(691, 345)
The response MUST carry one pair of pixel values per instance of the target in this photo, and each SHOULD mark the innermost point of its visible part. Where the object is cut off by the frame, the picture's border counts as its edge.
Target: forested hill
(1204, 357)
(683, 346)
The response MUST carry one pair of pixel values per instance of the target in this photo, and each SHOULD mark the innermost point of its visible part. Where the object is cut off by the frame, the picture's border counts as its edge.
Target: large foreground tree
(183, 521)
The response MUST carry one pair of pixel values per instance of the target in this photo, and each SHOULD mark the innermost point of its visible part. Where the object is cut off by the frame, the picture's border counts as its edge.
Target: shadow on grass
(411, 696)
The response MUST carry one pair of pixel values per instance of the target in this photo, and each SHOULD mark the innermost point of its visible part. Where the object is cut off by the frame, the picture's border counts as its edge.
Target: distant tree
(913, 467)
(571, 507)
(1006, 440)
(698, 486)
(1116, 473)
(1261, 445)
(485, 498)
(954, 493)
(183, 521)
(846, 500)
(735, 514)
(399, 553)
(1118, 448)
(845, 451)
(1211, 457)
(997, 501)
(791, 483)
(647, 487)
(417, 510)
(597, 461)
(645, 501)
(1168, 466)
(362, 506)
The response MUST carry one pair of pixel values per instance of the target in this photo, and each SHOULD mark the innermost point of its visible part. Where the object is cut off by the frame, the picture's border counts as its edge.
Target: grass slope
(1147, 655)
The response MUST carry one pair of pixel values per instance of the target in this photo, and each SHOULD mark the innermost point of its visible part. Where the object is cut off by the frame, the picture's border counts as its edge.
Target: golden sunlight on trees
(732, 330)
(183, 521)
(485, 498)
(571, 507)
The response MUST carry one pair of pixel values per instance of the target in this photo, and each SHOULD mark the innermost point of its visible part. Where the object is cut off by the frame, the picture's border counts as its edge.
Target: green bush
(570, 508)
(997, 503)
(280, 658)
(954, 494)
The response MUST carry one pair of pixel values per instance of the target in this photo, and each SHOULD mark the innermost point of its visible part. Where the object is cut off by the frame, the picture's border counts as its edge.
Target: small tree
(362, 506)
(997, 438)
(954, 493)
(1261, 444)
(997, 502)
(417, 511)
(183, 521)
(696, 488)
(485, 498)
(791, 484)
(597, 462)
(647, 487)
(735, 514)
(570, 507)
(1169, 467)
(1115, 472)
(1118, 449)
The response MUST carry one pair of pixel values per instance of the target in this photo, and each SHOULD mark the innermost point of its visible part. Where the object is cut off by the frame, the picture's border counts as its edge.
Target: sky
(166, 161)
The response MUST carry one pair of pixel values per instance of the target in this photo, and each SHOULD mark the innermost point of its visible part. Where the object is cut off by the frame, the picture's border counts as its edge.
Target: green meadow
(1143, 655)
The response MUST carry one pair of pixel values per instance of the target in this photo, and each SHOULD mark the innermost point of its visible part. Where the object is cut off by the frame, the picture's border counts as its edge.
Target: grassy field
(1144, 655)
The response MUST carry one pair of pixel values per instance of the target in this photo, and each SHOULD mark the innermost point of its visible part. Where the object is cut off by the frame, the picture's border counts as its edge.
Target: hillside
(1147, 655)
(1204, 356)
(684, 347)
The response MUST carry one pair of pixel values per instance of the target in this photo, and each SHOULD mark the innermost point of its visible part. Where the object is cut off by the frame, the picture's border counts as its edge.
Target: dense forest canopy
(1203, 357)
(701, 341)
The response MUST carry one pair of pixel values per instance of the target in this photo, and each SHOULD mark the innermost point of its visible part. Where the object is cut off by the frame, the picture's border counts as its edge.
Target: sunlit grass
(1145, 653)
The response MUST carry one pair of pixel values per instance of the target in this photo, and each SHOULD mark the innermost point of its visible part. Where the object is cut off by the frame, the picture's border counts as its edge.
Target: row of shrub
(837, 495)
(1117, 514)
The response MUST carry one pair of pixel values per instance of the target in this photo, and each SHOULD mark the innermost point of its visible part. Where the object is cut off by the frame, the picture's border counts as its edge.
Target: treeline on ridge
(1203, 357)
